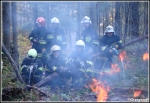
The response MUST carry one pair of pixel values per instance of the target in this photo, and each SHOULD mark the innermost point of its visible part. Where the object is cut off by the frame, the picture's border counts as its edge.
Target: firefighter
(110, 43)
(89, 36)
(31, 68)
(38, 36)
(55, 63)
(56, 36)
(78, 62)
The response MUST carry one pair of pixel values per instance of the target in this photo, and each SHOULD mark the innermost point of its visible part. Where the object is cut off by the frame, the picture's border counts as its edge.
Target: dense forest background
(130, 20)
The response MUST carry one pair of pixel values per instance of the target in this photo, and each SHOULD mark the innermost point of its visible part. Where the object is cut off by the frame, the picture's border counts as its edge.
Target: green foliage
(7, 75)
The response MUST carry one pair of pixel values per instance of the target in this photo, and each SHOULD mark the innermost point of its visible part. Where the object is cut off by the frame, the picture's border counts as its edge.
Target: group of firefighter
(48, 54)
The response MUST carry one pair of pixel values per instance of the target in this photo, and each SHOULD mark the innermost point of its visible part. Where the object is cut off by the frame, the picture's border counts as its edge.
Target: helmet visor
(31, 57)
(79, 47)
(109, 33)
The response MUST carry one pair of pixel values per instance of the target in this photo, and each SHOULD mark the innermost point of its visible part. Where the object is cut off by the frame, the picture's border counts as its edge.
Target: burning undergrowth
(113, 84)
(121, 82)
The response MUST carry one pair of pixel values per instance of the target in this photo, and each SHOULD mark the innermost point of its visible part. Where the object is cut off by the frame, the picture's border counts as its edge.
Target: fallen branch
(47, 79)
(12, 63)
(134, 40)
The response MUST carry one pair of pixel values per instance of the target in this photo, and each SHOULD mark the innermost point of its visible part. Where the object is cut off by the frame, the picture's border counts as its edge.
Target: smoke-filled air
(90, 51)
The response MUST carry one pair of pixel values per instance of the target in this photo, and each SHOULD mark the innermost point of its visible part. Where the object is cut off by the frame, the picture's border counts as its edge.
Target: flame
(145, 56)
(137, 93)
(114, 69)
(101, 89)
(122, 55)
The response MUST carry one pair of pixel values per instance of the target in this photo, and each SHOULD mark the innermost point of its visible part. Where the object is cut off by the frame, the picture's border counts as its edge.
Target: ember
(137, 93)
(145, 56)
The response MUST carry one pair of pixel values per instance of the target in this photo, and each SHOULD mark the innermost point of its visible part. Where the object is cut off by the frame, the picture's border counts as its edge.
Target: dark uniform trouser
(77, 78)
(28, 80)
(36, 79)
(103, 62)
(99, 64)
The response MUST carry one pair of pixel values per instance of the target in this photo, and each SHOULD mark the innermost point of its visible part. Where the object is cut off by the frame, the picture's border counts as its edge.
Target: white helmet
(32, 52)
(55, 47)
(80, 43)
(109, 29)
(86, 19)
(54, 20)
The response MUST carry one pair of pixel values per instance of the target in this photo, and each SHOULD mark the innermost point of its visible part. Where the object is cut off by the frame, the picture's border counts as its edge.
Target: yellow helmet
(32, 53)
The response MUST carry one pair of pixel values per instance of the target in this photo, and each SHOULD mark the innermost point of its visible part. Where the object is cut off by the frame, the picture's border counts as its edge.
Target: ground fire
(145, 56)
(101, 89)
(137, 93)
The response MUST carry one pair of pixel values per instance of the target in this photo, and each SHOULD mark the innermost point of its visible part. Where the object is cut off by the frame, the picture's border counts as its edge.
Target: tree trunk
(112, 13)
(14, 29)
(135, 19)
(13, 63)
(146, 18)
(98, 18)
(47, 16)
(118, 27)
(79, 21)
(130, 21)
(106, 13)
(93, 16)
(126, 7)
(35, 13)
(104, 25)
(6, 24)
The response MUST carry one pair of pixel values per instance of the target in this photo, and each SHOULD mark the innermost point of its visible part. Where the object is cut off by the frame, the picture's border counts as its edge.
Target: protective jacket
(78, 64)
(90, 38)
(110, 41)
(36, 71)
(108, 46)
(56, 36)
(54, 64)
(40, 34)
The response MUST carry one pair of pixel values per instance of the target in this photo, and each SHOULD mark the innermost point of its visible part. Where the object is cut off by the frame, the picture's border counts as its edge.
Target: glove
(115, 51)
(54, 68)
